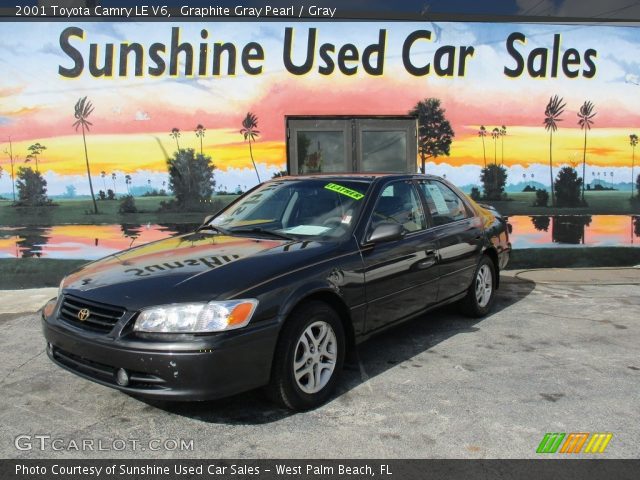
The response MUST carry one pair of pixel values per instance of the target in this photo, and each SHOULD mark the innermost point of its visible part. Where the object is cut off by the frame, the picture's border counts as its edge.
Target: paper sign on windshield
(307, 230)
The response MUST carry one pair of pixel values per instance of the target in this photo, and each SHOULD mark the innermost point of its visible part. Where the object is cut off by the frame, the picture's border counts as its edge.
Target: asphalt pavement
(559, 354)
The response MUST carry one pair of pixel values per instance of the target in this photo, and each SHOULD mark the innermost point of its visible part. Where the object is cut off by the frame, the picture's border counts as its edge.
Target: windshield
(297, 209)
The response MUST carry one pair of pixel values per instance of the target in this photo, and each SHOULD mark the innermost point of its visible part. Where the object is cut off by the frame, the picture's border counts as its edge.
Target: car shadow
(369, 359)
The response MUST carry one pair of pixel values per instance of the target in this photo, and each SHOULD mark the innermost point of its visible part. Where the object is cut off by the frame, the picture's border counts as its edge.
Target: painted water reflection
(88, 242)
(91, 242)
(575, 230)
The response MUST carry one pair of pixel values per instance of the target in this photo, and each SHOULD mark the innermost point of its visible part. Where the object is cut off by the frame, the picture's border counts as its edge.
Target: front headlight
(196, 317)
(60, 288)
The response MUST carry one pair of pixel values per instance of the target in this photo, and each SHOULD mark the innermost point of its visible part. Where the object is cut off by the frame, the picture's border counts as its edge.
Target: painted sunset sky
(133, 116)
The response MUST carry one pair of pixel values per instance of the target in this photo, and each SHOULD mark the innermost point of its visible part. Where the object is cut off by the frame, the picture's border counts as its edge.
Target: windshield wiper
(208, 226)
(262, 231)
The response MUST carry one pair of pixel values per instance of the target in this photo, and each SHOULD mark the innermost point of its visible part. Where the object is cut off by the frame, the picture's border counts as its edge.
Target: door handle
(431, 259)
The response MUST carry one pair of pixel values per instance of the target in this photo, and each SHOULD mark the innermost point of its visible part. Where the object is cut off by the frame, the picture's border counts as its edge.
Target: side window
(399, 203)
(444, 205)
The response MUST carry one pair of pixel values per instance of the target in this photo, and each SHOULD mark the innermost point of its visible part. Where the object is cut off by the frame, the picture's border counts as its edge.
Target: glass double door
(331, 145)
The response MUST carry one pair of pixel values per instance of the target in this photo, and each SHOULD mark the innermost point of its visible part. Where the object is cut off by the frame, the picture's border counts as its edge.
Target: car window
(399, 203)
(443, 203)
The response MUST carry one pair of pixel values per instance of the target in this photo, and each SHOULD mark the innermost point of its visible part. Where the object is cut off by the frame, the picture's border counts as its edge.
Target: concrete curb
(579, 276)
(25, 301)
(32, 299)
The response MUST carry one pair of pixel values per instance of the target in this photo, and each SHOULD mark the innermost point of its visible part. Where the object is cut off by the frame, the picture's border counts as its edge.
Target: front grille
(105, 373)
(101, 317)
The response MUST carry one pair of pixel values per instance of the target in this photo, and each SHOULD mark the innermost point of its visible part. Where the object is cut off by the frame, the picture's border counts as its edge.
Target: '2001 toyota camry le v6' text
(273, 289)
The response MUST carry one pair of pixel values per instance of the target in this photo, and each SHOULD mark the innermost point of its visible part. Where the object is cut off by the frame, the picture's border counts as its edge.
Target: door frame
(352, 126)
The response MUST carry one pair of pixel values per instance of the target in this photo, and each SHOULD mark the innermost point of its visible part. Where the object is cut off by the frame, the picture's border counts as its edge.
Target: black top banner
(434, 10)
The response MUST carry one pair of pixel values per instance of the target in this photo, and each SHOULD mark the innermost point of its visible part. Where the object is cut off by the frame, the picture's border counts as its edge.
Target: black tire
(283, 388)
(474, 304)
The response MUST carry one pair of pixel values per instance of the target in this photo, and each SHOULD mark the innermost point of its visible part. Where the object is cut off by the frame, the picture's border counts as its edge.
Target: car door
(400, 275)
(459, 237)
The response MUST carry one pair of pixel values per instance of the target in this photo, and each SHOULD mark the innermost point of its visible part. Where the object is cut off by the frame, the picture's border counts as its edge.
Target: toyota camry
(275, 288)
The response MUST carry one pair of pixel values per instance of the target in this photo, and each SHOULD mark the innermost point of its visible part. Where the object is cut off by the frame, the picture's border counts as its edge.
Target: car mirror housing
(386, 232)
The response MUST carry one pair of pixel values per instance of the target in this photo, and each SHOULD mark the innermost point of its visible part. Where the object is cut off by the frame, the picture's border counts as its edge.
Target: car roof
(368, 176)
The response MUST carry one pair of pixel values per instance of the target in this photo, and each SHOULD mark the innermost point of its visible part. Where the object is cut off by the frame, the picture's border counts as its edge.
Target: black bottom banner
(584, 469)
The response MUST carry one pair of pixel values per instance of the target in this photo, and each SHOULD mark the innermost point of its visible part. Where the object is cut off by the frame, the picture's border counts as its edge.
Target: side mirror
(206, 220)
(386, 232)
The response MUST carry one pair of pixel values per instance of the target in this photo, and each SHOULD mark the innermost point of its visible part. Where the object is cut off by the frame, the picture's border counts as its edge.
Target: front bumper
(203, 368)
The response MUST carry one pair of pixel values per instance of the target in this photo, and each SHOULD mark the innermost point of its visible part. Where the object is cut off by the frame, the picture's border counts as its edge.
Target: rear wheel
(308, 358)
(481, 293)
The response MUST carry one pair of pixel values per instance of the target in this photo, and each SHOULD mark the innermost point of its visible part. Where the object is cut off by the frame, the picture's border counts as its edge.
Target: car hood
(190, 268)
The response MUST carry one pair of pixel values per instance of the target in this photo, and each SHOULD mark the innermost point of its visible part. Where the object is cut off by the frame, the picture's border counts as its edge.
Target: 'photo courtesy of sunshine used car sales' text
(237, 239)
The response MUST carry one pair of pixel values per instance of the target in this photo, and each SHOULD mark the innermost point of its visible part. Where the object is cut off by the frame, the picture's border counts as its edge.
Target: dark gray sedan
(272, 290)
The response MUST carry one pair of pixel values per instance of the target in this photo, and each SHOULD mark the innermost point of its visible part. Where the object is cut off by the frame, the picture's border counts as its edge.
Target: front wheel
(308, 358)
(481, 293)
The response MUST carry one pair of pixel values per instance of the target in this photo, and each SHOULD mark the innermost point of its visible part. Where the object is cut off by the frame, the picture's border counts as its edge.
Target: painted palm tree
(585, 120)
(483, 133)
(250, 132)
(503, 133)
(82, 110)
(103, 174)
(113, 179)
(9, 152)
(495, 134)
(552, 113)
(175, 134)
(34, 150)
(633, 141)
(200, 134)
(127, 182)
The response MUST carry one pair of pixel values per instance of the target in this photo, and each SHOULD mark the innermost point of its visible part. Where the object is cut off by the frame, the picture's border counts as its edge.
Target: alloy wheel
(484, 285)
(315, 357)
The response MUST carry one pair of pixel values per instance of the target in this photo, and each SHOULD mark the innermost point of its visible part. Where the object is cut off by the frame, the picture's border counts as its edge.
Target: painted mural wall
(119, 99)
(146, 79)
